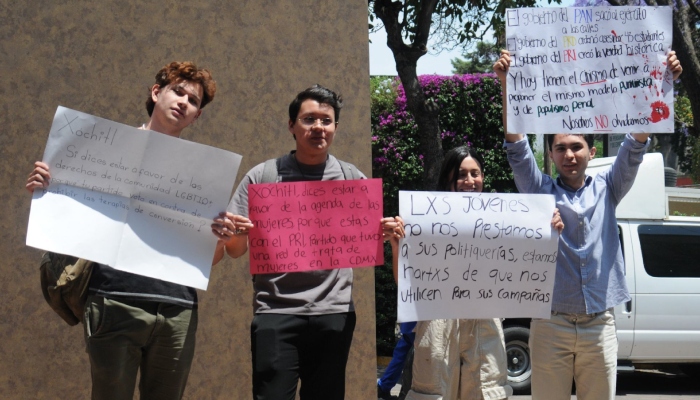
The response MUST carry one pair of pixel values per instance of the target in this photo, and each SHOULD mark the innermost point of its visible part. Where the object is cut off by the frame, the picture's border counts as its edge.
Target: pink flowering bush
(470, 113)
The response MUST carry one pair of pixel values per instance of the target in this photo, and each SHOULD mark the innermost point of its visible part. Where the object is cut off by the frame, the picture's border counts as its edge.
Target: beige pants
(580, 347)
(459, 360)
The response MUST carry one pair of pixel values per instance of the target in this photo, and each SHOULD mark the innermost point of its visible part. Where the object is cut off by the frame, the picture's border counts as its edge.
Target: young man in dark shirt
(133, 322)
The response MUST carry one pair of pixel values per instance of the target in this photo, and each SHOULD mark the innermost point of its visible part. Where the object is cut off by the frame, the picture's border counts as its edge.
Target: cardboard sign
(306, 226)
(136, 200)
(589, 70)
(476, 255)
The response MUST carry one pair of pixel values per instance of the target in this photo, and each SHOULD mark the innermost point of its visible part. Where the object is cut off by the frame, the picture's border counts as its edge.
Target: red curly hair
(176, 72)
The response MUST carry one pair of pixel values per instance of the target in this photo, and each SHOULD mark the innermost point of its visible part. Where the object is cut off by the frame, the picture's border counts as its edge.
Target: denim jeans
(582, 347)
(123, 337)
(393, 371)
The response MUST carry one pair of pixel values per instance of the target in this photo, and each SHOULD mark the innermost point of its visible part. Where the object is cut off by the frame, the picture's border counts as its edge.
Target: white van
(661, 324)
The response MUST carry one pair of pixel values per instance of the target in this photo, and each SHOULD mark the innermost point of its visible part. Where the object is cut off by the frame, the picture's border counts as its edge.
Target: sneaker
(385, 395)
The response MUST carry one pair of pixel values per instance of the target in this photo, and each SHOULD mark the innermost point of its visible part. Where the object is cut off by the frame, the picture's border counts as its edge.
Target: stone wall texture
(100, 57)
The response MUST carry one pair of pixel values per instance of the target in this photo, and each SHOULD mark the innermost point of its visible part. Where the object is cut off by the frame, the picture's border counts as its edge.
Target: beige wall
(100, 57)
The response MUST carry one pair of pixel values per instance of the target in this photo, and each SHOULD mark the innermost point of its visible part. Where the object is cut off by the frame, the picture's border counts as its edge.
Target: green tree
(479, 59)
(409, 24)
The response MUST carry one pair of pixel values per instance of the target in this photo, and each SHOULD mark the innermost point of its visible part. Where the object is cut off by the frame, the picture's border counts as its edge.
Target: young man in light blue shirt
(579, 341)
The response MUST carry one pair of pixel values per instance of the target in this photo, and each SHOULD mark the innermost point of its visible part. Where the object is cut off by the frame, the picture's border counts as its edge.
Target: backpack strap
(270, 170)
(349, 172)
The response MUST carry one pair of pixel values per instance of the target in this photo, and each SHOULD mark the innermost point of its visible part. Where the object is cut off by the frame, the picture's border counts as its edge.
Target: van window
(670, 251)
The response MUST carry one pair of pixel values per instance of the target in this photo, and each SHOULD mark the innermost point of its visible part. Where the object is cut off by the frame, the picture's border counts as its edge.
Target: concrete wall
(100, 58)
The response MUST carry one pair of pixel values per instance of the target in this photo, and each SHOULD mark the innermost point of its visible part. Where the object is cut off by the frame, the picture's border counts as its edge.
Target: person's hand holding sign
(232, 229)
(393, 230)
(673, 64)
(39, 178)
(557, 223)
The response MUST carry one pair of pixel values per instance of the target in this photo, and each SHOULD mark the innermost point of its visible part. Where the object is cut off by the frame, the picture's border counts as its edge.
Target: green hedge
(470, 113)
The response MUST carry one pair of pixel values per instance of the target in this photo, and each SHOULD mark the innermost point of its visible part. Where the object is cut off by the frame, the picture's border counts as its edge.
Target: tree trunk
(685, 51)
(426, 116)
(406, 57)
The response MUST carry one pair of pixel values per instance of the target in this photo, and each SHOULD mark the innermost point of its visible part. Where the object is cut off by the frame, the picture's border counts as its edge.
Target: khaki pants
(582, 347)
(459, 360)
(123, 337)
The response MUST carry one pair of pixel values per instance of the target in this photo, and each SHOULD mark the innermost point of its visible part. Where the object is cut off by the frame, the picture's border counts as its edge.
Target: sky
(381, 61)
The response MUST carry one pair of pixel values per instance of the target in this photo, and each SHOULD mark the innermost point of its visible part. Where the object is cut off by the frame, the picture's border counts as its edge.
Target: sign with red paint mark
(313, 225)
(589, 70)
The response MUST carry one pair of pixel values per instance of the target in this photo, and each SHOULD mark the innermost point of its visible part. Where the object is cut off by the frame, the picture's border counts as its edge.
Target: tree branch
(423, 22)
(388, 12)
(694, 7)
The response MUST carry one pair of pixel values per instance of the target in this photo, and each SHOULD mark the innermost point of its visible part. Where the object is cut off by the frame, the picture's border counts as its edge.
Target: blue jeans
(403, 346)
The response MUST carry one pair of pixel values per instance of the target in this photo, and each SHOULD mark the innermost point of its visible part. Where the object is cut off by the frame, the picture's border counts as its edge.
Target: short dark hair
(320, 94)
(449, 172)
(589, 138)
(176, 72)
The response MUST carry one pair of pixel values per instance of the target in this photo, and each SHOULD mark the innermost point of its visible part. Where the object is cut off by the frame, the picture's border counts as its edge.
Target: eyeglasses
(311, 121)
(463, 176)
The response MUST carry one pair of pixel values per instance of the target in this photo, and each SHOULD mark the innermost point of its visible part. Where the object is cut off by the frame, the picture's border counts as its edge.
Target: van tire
(518, 358)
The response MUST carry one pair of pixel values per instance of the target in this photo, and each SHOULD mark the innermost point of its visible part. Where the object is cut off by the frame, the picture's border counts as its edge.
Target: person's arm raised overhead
(501, 67)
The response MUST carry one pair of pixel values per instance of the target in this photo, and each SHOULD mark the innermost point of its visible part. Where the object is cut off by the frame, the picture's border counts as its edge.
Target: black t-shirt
(119, 285)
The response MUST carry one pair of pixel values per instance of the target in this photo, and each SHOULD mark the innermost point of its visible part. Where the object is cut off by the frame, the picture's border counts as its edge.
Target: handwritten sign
(136, 200)
(476, 255)
(306, 226)
(589, 70)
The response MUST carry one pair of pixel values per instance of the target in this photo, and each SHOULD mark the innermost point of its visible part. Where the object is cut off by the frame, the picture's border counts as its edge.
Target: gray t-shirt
(299, 293)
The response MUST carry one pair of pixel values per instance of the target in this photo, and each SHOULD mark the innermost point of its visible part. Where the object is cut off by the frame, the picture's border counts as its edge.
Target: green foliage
(382, 94)
(680, 214)
(470, 113)
(450, 22)
(598, 144)
(477, 60)
(385, 305)
(685, 144)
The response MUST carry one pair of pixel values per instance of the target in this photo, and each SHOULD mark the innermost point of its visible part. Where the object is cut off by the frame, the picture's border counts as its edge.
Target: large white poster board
(476, 255)
(589, 70)
(136, 200)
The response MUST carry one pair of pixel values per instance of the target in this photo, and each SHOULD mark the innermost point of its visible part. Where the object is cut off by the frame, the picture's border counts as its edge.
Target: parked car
(660, 235)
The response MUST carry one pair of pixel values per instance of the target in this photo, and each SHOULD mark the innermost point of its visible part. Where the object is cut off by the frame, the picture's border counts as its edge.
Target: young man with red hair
(133, 322)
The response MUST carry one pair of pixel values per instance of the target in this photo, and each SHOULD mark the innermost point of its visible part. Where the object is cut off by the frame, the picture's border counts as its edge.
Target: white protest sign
(136, 200)
(476, 255)
(589, 70)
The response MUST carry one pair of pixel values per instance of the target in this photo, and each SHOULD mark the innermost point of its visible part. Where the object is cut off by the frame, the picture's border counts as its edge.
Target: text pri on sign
(589, 70)
(476, 255)
(313, 225)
